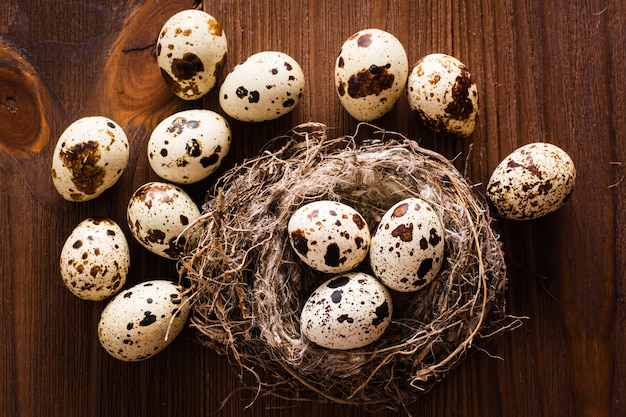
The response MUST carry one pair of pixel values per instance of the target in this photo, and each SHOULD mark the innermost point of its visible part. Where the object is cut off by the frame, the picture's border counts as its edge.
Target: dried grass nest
(249, 286)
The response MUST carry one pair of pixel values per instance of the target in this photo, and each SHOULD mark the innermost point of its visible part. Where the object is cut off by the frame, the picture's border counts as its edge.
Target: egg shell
(191, 49)
(329, 236)
(348, 311)
(265, 86)
(89, 158)
(533, 181)
(95, 259)
(371, 71)
(143, 320)
(157, 214)
(442, 92)
(407, 248)
(188, 146)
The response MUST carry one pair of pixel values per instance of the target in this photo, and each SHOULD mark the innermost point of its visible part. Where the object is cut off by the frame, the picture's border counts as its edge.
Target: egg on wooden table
(191, 49)
(329, 236)
(89, 157)
(348, 311)
(531, 182)
(442, 92)
(157, 214)
(95, 259)
(407, 247)
(370, 73)
(265, 86)
(188, 146)
(143, 320)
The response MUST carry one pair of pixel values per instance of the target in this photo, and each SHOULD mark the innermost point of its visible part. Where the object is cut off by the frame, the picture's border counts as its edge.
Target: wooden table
(551, 71)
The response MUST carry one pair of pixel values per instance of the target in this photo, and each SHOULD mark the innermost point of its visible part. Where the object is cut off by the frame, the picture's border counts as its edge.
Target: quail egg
(157, 214)
(264, 87)
(188, 146)
(442, 92)
(407, 246)
(371, 71)
(348, 311)
(533, 181)
(95, 259)
(191, 49)
(143, 320)
(329, 236)
(89, 158)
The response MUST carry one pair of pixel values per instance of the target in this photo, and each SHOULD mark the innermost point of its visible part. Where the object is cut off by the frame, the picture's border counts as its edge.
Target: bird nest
(249, 285)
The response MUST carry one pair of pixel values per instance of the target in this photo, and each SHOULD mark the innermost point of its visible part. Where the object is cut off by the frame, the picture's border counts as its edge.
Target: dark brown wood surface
(550, 71)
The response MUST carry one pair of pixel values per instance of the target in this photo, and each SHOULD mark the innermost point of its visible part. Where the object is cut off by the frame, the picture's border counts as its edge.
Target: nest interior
(249, 286)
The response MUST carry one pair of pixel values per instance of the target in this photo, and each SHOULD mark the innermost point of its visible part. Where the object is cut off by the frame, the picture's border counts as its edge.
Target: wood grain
(547, 71)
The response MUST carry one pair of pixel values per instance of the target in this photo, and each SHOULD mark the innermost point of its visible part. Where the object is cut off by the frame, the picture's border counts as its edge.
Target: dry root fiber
(249, 286)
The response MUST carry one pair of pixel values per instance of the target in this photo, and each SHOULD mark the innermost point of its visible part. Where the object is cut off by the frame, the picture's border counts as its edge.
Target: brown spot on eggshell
(370, 81)
(403, 232)
(300, 242)
(187, 67)
(365, 40)
(461, 107)
(400, 210)
(82, 160)
(207, 161)
(215, 28)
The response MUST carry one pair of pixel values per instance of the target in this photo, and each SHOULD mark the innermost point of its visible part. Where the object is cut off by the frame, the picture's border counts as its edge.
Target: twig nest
(251, 287)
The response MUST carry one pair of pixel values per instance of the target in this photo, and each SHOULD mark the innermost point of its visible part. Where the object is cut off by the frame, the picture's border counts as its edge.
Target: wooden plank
(546, 71)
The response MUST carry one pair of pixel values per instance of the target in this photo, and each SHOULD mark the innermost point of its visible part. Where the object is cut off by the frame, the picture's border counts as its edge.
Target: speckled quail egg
(89, 158)
(95, 259)
(442, 92)
(348, 311)
(407, 246)
(533, 181)
(188, 146)
(329, 236)
(264, 87)
(143, 320)
(157, 214)
(191, 49)
(370, 73)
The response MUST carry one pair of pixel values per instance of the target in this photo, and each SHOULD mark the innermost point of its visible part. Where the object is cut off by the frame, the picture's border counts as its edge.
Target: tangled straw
(249, 286)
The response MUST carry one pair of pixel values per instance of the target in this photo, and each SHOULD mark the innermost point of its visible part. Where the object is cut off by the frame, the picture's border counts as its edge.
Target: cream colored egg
(89, 158)
(348, 311)
(143, 320)
(370, 73)
(329, 236)
(265, 86)
(191, 49)
(407, 248)
(531, 182)
(442, 92)
(188, 146)
(95, 259)
(157, 214)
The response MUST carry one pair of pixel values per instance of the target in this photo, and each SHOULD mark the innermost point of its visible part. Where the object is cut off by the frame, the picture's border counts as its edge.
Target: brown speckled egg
(533, 181)
(329, 236)
(188, 146)
(348, 311)
(407, 246)
(441, 91)
(190, 52)
(157, 214)
(95, 259)
(265, 86)
(89, 158)
(143, 320)
(370, 73)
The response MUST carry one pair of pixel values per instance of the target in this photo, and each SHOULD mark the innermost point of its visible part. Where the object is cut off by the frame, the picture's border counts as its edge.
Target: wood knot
(23, 100)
